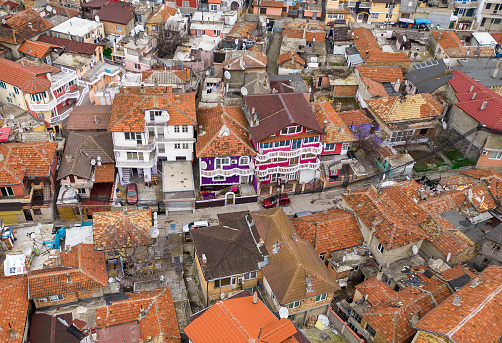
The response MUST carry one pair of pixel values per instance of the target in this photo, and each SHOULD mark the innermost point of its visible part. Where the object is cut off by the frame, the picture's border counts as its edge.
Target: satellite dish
(4, 21)
(93, 162)
(162, 277)
(154, 232)
(48, 8)
(54, 11)
(155, 215)
(99, 163)
(283, 313)
(414, 249)
(222, 295)
(227, 75)
(236, 41)
(118, 77)
(110, 280)
(244, 91)
(208, 72)
(443, 123)
(12, 117)
(343, 258)
(27, 250)
(180, 56)
(98, 158)
(203, 165)
(96, 18)
(165, 116)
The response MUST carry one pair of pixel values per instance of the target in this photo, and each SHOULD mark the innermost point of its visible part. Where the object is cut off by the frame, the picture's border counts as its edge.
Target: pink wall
(270, 10)
(130, 66)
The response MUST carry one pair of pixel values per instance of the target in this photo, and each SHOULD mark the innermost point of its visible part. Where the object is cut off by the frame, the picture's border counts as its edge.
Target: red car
(272, 201)
(132, 193)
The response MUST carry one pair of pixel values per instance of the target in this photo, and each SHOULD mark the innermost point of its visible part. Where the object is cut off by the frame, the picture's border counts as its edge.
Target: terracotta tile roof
(119, 229)
(129, 106)
(26, 160)
(255, 48)
(490, 116)
(279, 110)
(370, 51)
(335, 230)
(116, 12)
(164, 76)
(36, 49)
(376, 89)
(289, 56)
(70, 45)
(442, 203)
(410, 187)
(497, 36)
(22, 26)
(411, 107)
(286, 273)
(82, 117)
(391, 312)
(381, 74)
(399, 221)
(311, 25)
(226, 132)
(104, 173)
(476, 318)
(456, 272)
(364, 39)
(481, 198)
(81, 269)
(158, 324)
(492, 179)
(81, 147)
(30, 79)
(310, 36)
(162, 15)
(243, 29)
(63, 10)
(453, 47)
(335, 129)
(358, 117)
(230, 246)
(240, 61)
(14, 304)
(425, 337)
(238, 320)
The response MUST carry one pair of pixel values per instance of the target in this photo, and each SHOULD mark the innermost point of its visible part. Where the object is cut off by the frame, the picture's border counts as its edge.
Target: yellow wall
(9, 217)
(382, 11)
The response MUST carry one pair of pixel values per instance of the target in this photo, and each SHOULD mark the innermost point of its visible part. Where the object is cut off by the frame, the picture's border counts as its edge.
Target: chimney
(476, 282)
(470, 194)
(293, 59)
(379, 276)
(255, 298)
(440, 35)
(69, 158)
(204, 259)
(483, 105)
(1, 158)
(295, 237)
(496, 70)
(96, 119)
(456, 300)
(471, 89)
(338, 106)
(473, 96)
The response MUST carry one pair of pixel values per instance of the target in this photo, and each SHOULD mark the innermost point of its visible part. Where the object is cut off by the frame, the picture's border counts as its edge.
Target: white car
(194, 225)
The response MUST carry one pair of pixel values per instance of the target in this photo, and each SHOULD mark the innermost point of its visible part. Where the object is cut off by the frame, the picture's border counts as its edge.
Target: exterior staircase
(126, 175)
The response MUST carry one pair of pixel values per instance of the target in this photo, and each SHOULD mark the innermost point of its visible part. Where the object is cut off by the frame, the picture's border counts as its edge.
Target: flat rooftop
(77, 26)
(177, 177)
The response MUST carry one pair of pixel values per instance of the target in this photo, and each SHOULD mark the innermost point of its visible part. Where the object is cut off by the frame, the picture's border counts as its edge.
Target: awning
(4, 134)
(406, 20)
(422, 21)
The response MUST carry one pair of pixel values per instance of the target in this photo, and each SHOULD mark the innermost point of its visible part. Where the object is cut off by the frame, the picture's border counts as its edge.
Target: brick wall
(345, 91)
(93, 293)
(112, 28)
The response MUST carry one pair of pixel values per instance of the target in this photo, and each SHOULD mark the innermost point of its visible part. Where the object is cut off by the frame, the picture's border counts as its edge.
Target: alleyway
(273, 52)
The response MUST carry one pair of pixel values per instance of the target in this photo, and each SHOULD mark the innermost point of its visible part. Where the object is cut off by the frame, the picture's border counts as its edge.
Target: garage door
(179, 206)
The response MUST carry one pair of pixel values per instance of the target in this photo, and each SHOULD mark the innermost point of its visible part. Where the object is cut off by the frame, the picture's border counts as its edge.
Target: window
(56, 35)
(150, 45)
(35, 97)
(321, 297)
(266, 145)
(137, 66)
(7, 191)
(388, 15)
(401, 136)
(389, 5)
(37, 212)
(16, 90)
(370, 330)
(81, 190)
(185, 146)
(295, 304)
(374, 15)
(184, 128)
(42, 300)
(281, 144)
(495, 155)
(119, 28)
(495, 21)
(177, 145)
(133, 136)
(380, 248)
(219, 178)
(330, 146)
(59, 90)
(345, 146)
(154, 114)
(76, 211)
(222, 282)
(221, 161)
(9, 100)
(87, 35)
(488, 6)
(185, 3)
(134, 155)
(177, 129)
(249, 276)
(216, 33)
(470, 12)
(263, 11)
(311, 140)
(56, 297)
(244, 160)
(291, 130)
(483, 22)
(297, 143)
(2, 84)
(213, 7)
(356, 316)
(322, 256)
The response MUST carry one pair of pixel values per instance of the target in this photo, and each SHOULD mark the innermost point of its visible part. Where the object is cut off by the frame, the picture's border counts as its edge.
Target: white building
(80, 30)
(150, 126)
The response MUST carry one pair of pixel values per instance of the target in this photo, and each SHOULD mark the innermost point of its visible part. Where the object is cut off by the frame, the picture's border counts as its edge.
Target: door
(27, 215)
(234, 6)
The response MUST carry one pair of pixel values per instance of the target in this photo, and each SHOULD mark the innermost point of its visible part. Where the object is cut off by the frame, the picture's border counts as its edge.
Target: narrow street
(273, 52)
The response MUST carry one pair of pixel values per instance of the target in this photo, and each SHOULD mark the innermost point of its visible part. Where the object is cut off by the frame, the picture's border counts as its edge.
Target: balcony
(287, 170)
(55, 84)
(54, 102)
(33, 193)
(137, 163)
(227, 172)
(262, 157)
(169, 139)
(148, 147)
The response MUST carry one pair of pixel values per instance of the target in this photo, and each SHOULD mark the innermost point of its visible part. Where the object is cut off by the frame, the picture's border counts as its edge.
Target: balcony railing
(63, 81)
(61, 116)
(288, 154)
(165, 139)
(226, 172)
(54, 102)
(287, 170)
(147, 147)
(136, 163)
